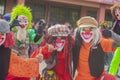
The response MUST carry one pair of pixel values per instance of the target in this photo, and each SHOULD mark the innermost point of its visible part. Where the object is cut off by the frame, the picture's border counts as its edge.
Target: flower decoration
(104, 25)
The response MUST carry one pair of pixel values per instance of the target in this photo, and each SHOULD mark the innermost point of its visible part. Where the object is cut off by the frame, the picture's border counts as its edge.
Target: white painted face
(59, 44)
(87, 34)
(117, 13)
(23, 21)
(2, 38)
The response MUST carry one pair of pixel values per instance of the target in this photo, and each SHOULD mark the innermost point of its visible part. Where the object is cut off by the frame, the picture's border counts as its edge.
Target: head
(23, 21)
(40, 26)
(115, 11)
(6, 37)
(23, 15)
(88, 30)
(60, 32)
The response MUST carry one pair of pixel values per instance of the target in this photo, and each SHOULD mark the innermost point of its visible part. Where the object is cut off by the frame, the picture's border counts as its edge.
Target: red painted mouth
(87, 36)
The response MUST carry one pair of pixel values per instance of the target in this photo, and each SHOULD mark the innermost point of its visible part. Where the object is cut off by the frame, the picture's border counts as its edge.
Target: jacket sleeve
(116, 39)
(23, 67)
(43, 50)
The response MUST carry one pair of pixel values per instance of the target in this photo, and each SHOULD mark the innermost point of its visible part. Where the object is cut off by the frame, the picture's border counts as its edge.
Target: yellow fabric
(83, 65)
(23, 67)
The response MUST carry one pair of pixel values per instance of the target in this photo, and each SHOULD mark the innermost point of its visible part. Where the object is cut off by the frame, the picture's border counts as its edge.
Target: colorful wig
(21, 10)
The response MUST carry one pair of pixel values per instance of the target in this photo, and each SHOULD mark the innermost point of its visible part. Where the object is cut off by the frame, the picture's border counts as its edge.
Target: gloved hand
(14, 23)
(106, 33)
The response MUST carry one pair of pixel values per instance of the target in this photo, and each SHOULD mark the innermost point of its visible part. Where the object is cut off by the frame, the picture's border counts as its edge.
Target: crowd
(67, 54)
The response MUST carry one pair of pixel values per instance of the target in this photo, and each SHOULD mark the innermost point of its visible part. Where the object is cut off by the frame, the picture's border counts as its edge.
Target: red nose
(22, 26)
(117, 15)
(87, 31)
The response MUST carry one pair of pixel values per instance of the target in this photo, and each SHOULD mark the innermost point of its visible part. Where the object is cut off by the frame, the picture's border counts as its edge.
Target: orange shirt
(83, 65)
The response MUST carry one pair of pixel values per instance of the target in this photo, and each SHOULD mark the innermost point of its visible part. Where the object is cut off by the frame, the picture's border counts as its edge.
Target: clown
(61, 58)
(23, 17)
(89, 48)
(115, 10)
(10, 63)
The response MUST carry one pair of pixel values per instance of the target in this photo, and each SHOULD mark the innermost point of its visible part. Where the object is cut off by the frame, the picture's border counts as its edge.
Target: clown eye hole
(91, 28)
(83, 29)
(61, 37)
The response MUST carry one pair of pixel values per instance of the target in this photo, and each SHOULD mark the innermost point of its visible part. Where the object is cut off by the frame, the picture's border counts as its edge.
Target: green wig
(21, 10)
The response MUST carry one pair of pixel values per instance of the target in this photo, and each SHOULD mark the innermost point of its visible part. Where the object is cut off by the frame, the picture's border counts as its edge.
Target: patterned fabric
(23, 67)
(59, 30)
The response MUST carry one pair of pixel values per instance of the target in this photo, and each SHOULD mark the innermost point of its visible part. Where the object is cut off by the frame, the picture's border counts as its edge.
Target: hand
(51, 48)
(106, 33)
(39, 58)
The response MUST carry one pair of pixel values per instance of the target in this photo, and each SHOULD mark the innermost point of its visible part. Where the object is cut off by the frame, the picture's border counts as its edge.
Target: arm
(45, 51)
(116, 39)
(116, 58)
(110, 34)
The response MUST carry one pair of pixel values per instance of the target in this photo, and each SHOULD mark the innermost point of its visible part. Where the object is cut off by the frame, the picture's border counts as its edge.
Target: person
(108, 56)
(115, 9)
(36, 35)
(10, 63)
(20, 22)
(60, 60)
(21, 18)
(88, 50)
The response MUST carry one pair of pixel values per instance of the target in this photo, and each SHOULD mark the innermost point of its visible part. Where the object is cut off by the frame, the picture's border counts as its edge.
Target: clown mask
(59, 44)
(23, 21)
(117, 13)
(87, 34)
(2, 38)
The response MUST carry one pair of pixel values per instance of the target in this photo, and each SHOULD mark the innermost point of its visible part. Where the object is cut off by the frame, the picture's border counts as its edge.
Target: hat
(7, 16)
(59, 30)
(87, 21)
(4, 26)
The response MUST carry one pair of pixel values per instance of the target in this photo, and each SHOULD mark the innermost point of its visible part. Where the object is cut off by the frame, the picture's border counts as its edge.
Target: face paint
(23, 21)
(59, 44)
(2, 38)
(87, 34)
(117, 13)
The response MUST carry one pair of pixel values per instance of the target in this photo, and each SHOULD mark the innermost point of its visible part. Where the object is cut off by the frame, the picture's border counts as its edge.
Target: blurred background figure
(6, 16)
(1, 17)
(36, 35)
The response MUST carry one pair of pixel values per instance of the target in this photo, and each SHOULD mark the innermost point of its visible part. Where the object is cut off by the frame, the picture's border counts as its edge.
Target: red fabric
(11, 77)
(9, 42)
(44, 40)
(62, 74)
(44, 51)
